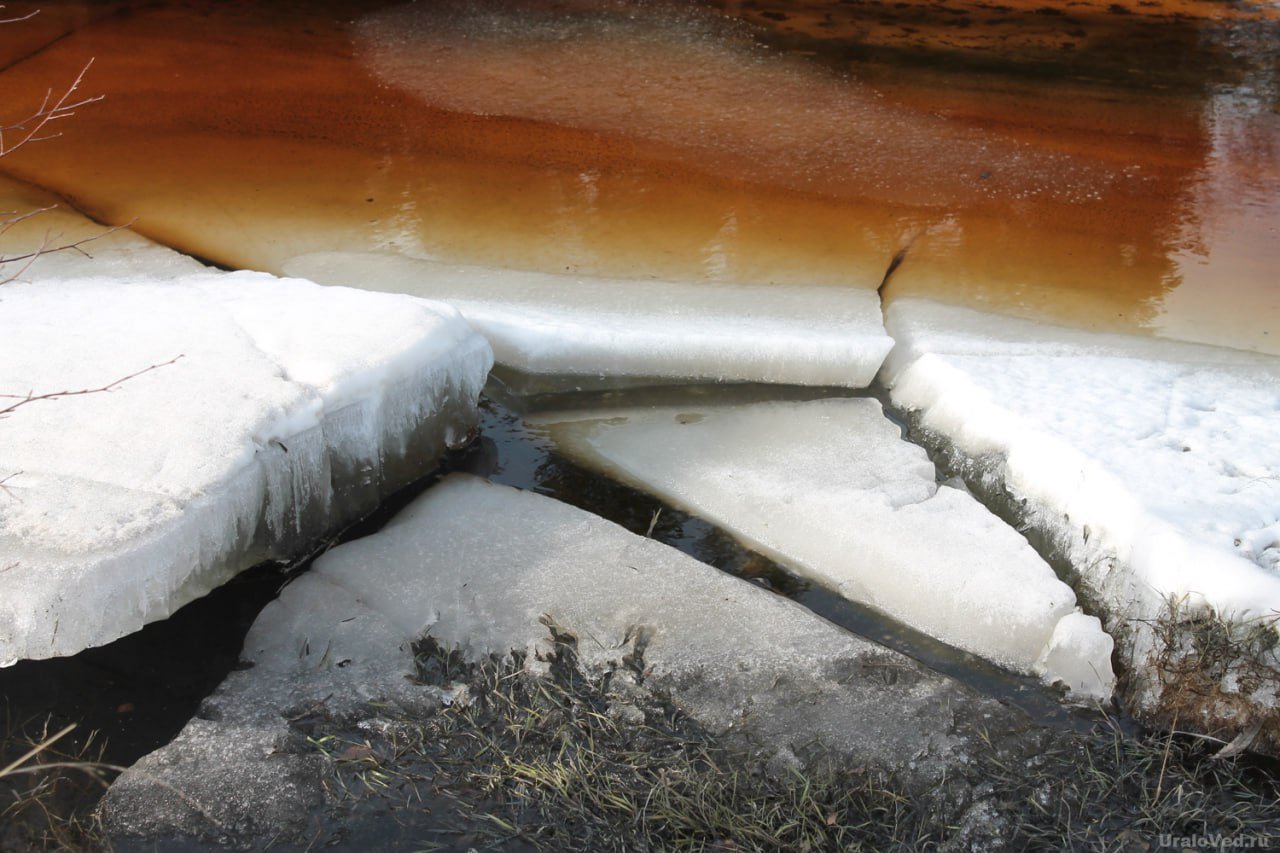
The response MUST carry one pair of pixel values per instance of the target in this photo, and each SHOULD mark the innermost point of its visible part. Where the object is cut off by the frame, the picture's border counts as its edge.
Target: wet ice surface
(566, 326)
(829, 488)
(516, 565)
(1160, 454)
(692, 82)
(267, 420)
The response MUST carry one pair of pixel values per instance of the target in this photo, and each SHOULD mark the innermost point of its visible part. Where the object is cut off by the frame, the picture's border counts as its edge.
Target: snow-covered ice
(829, 488)
(1152, 464)
(482, 566)
(573, 326)
(290, 408)
(1161, 454)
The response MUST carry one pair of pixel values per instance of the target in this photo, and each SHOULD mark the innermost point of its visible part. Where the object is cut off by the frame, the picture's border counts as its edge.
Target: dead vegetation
(571, 761)
(1217, 675)
(50, 783)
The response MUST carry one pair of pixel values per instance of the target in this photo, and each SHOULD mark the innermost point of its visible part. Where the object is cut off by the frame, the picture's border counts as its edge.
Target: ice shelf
(1152, 466)
(565, 325)
(261, 413)
(829, 488)
(1159, 453)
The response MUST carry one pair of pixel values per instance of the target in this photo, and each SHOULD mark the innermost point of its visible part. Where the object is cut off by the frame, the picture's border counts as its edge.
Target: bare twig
(25, 17)
(31, 396)
(46, 246)
(31, 128)
(5, 489)
(15, 217)
(36, 750)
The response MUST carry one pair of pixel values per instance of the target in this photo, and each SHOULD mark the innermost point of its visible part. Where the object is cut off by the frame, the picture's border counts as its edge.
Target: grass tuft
(49, 784)
(574, 761)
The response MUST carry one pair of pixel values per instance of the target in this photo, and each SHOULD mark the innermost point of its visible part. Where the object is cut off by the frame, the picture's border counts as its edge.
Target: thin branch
(25, 17)
(51, 109)
(12, 496)
(15, 217)
(31, 396)
(46, 247)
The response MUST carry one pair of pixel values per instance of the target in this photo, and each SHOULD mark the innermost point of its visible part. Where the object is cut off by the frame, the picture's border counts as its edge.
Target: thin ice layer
(275, 410)
(830, 488)
(1157, 454)
(565, 325)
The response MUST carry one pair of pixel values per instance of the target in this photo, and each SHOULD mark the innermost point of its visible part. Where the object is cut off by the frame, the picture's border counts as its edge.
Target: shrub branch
(31, 396)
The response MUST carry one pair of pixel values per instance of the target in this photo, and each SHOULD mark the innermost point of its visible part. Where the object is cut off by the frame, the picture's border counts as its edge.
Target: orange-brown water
(1115, 166)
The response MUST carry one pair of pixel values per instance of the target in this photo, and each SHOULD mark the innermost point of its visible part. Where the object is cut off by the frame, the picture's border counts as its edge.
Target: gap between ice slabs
(292, 409)
(830, 488)
(541, 323)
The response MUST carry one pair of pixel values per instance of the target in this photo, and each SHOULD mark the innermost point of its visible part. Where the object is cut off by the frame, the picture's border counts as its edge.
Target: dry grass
(1218, 675)
(568, 761)
(50, 783)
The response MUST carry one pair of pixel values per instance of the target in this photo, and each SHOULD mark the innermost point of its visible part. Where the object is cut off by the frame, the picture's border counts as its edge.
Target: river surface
(1113, 166)
(1108, 165)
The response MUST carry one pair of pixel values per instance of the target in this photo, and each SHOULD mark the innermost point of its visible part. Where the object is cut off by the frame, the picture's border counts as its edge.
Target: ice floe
(829, 488)
(565, 325)
(1152, 464)
(490, 569)
(1161, 453)
(275, 410)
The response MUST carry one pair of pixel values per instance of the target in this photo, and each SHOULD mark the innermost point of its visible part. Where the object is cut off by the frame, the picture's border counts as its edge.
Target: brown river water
(1109, 165)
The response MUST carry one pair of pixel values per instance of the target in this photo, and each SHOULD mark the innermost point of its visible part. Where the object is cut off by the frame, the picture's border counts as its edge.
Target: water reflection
(1112, 165)
(1187, 116)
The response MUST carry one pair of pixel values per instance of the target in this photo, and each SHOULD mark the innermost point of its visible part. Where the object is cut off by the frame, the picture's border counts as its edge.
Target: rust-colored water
(1111, 165)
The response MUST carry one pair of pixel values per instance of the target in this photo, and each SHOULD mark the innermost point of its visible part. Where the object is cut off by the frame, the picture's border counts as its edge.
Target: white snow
(830, 488)
(565, 325)
(1159, 457)
(290, 408)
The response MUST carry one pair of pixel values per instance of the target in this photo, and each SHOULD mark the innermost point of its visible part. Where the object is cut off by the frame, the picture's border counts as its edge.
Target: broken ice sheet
(1160, 454)
(829, 488)
(277, 410)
